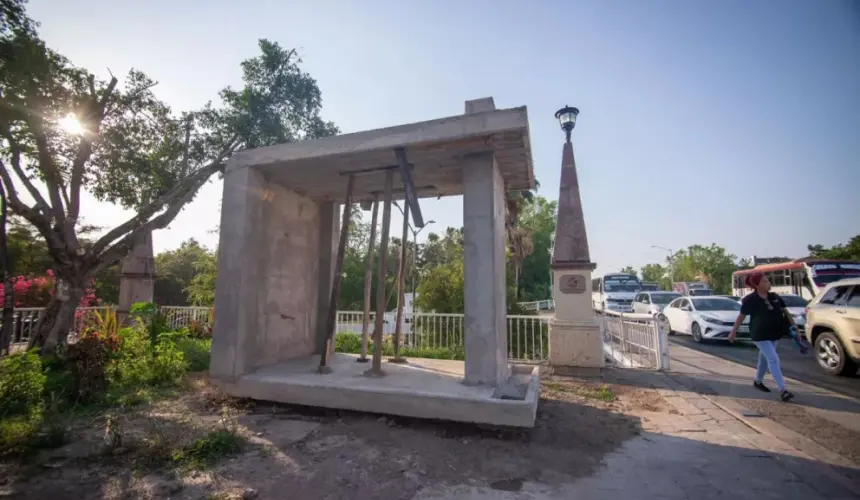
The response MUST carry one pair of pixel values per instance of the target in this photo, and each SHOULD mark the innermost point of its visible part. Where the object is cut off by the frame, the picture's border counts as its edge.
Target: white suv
(833, 327)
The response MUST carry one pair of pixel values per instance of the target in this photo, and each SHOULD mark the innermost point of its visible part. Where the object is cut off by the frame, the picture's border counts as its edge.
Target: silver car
(653, 302)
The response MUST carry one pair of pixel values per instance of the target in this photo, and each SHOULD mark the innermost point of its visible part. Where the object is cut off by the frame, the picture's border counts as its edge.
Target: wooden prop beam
(376, 366)
(411, 195)
(331, 319)
(401, 283)
(368, 279)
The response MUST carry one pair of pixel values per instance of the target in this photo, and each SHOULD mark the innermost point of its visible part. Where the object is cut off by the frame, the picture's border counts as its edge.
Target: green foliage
(201, 288)
(205, 452)
(629, 270)
(441, 288)
(136, 365)
(149, 315)
(88, 362)
(22, 383)
(177, 270)
(712, 264)
(847, 251)
(196, 352)
(657, 274)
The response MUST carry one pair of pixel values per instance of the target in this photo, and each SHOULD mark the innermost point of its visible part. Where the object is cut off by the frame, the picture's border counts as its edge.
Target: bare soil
(827, 433)
(307, 453)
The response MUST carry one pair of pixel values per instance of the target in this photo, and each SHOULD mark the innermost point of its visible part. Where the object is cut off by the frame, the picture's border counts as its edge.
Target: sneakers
(786, 396)
(760, 386)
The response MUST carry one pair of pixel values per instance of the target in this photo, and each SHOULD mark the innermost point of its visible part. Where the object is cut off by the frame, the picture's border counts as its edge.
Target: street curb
(768, 427)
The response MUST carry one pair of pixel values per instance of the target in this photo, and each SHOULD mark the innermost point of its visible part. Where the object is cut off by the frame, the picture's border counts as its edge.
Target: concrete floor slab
(423, 388)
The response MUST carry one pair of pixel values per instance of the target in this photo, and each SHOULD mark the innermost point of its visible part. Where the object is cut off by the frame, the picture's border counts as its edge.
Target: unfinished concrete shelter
(281, 240)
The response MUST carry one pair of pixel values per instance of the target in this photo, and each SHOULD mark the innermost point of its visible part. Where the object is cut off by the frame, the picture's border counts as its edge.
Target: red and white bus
(804, 277)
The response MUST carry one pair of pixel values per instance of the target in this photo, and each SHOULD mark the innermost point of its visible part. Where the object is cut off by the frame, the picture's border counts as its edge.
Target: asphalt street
(794, 364)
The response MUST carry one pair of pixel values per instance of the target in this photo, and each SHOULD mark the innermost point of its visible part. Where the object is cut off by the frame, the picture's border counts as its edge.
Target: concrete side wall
(288, 260)
(484, 254)
(236, 326)
(268, 267)
(328, 233)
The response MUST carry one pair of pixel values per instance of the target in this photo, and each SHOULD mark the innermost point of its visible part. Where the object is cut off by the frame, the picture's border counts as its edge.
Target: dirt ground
(829, 434)
(303, 453)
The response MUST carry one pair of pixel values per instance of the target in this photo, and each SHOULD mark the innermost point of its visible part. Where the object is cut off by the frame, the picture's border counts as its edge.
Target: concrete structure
(277, 252)
(574, 334)
(137, 277)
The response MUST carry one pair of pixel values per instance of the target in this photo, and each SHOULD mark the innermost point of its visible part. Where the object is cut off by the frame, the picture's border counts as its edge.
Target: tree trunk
(6, 276)
(57, 320)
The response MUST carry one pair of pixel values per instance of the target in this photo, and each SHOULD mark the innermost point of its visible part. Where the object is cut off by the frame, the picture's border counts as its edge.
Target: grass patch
(601, 393)
(351, 344)
(205, 452)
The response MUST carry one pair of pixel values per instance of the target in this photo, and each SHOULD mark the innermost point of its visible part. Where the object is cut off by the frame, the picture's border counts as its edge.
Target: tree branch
(125, 245)
(46, 163)
(93, 122)
(6, 132)
(172, 198)
(34, 216)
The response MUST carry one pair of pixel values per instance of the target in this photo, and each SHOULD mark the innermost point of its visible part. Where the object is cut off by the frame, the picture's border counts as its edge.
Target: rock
(259, 434)
(249, 493)
(422, 472)
(382, 420)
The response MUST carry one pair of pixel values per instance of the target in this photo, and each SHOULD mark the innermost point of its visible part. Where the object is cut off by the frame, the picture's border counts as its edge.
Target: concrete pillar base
(362, 360)
(575, 343)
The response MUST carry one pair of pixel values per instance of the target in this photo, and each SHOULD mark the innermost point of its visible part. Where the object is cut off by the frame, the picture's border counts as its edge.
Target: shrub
(168, 365)
(130, 367)
(347, 342)
(22, 384)
(196, 351)
(88, 361)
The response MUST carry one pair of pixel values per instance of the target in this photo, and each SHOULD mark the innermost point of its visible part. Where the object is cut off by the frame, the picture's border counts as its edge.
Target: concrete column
(329, 232)
(485, 293)
(235, 297)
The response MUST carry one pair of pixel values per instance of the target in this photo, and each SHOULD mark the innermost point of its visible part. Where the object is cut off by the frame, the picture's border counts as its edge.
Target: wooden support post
(331, 319)
(368, 279)
(376, 366)
(401, 283)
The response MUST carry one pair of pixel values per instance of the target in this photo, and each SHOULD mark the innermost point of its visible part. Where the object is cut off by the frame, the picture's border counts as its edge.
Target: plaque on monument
(572, 283)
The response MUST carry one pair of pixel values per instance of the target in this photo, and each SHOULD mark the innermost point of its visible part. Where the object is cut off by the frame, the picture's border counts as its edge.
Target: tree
(711, 264)
(846, 251)
(201, 289)
(629, 270)
(535, 280)
(175, 271)
(63, 131)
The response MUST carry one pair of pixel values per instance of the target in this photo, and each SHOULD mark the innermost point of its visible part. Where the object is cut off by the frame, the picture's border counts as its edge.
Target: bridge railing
(537, 305)
(634, 341)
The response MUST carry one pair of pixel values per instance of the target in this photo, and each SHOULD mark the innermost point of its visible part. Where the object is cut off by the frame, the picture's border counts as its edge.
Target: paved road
(794, 364)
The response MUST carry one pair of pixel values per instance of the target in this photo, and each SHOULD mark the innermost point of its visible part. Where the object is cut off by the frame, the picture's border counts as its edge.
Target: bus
(650, 286)
(615, 291)
(803, 277)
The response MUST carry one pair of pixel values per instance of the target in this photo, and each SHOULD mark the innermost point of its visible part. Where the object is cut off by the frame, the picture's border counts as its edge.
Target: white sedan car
(796, 305)
(705, 318)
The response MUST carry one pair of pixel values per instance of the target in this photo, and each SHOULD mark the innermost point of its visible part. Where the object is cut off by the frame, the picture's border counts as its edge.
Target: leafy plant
(148, 314)
(89, 358)
(22, 384)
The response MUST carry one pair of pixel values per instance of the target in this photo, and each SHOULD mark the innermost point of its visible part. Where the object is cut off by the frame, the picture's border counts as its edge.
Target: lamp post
(671, 261)
(566, 117)
(415, 246)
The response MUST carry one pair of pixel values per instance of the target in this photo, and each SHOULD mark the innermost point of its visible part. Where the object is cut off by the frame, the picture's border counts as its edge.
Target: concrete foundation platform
(423, 388)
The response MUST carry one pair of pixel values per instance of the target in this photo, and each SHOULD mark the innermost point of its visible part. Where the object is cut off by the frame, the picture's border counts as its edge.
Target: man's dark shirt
(766, 322)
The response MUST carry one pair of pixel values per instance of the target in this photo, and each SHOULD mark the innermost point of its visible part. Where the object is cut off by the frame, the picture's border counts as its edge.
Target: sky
(734, 122)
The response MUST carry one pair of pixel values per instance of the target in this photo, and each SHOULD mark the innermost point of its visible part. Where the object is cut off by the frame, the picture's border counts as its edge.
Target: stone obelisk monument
(574, 333)
(137, 277)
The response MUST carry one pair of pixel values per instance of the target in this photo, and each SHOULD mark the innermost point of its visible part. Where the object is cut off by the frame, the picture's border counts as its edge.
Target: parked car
(653, 302)
(705, 318)
(796, 305)
(833, 327)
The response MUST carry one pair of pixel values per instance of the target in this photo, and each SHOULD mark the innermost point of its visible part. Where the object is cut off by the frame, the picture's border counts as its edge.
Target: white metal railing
(537, 305)
(25, 321)
(182, 316)
(527, 335)
(634, 341)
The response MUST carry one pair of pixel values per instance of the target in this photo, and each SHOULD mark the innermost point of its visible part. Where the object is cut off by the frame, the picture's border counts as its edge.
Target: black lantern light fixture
(567, 119)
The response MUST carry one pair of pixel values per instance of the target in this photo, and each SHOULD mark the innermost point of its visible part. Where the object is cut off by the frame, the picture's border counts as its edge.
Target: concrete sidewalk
(689, 450)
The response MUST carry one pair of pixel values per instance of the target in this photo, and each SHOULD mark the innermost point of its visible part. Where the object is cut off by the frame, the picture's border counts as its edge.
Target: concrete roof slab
(318, 168)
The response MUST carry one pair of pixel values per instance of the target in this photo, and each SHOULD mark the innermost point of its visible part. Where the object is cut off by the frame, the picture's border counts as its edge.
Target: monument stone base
(575, 344)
